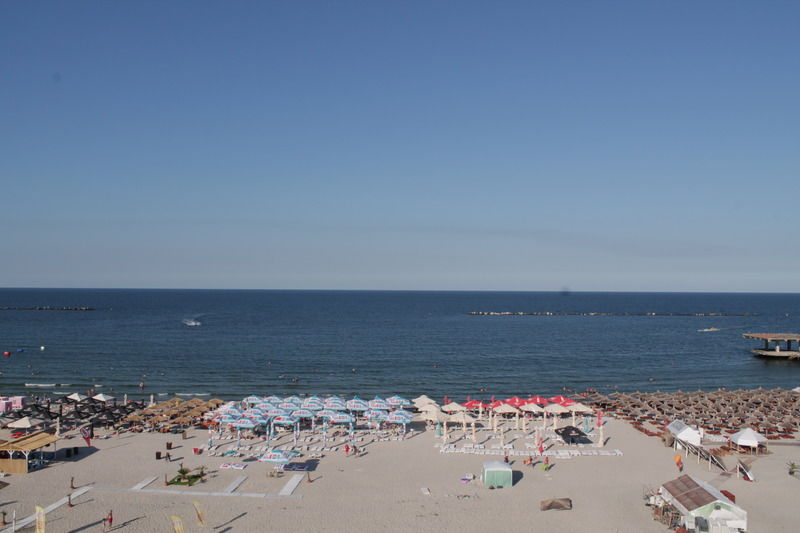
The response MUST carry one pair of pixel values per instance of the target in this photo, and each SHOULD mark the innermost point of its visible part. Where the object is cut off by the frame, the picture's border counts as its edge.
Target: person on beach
(505, 459)
(346, 450)
(546, 465)
(108, 521)
(679, 463)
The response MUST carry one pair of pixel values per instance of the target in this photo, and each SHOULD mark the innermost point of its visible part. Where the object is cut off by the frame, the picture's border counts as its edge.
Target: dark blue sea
(372, 342)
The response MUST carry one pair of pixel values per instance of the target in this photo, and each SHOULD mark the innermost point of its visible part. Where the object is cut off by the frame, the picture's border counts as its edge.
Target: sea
(367, 343)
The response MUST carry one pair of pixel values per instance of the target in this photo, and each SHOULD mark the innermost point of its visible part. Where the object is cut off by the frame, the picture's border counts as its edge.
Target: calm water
(385, 342)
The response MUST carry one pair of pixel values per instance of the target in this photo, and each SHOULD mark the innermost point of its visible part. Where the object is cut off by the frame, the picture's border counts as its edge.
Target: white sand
(380, 491)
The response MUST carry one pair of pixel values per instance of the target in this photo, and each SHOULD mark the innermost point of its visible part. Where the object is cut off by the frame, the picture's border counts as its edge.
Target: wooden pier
(773, 347)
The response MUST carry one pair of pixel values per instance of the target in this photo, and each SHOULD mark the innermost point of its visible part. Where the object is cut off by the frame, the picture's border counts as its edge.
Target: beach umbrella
(539, 400)
(555, 409)
(577, 407)
(273, 399)
(376, 414)
(341, 418)
(434, 416)
(357, 404)
(289, 406)
(314, 403)
(515, 401)
(430, 407)
(284, 420)
(326, 413)
(26, 422)
(532, 408)
(396, 418)
(77, 396)
(253, 400)
(293, 399)
(244, 424)
(276, 411)
(335, 403)
(378, 403)
(398, 401)
(453, 407)
(403, 412)
(102, 397)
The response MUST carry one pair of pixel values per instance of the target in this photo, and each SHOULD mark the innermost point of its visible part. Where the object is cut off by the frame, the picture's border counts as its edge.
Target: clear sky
(401, 145)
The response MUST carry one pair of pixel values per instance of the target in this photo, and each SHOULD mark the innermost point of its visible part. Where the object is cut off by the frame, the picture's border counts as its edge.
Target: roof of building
(692, 493)
(28, 443)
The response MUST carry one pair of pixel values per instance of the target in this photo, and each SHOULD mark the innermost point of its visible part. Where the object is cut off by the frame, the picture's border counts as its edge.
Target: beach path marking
(32, 518)
(235, 485)
(292, 484)
(143, 484)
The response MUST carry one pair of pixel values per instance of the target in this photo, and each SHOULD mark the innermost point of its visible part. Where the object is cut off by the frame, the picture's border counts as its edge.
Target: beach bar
(772, 344)
(15, 455)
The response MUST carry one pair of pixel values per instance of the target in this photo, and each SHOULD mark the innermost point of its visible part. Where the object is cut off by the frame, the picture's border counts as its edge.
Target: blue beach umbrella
(273, 399)
(335, 403)
(378, 403)
(244, 424)
(341, 418)
(376, 414)
(357, 404)
(397, 401)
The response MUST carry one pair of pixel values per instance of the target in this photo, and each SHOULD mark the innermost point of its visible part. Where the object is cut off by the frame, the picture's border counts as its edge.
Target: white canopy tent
(748, 438)
(680, 430)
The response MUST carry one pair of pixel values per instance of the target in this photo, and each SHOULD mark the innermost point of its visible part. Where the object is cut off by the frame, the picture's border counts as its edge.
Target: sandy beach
(381, 490)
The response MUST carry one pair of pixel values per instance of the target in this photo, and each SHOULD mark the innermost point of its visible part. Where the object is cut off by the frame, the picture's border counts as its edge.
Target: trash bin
(169, 445)
(158, 456)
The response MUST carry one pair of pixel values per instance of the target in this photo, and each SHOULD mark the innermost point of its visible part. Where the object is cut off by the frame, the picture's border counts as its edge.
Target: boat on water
(191, 322)
(704, 330)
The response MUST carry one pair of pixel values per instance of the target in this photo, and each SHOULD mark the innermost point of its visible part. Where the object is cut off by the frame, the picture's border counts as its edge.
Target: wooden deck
(772, 345)
(780, 355)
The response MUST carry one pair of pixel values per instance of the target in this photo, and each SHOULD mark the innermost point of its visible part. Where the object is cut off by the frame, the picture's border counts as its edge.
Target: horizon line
(564, 291)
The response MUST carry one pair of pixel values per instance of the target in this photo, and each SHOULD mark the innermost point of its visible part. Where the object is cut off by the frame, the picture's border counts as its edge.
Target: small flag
(201, 517)
(87, 435)
(177, 524)
(40, 520)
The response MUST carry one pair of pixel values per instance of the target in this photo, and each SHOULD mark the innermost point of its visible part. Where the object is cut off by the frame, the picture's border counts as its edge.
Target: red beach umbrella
(515, 401)
(538, 400)
(558, 399)
(472, 404)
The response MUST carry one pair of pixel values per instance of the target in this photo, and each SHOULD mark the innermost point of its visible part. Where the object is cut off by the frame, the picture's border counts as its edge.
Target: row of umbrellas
(773, 411)
(74, 409)
(255, 411)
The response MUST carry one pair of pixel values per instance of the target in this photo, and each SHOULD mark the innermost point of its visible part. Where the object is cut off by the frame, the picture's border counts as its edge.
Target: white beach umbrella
(26, 423)
(102, 397)
(453, 407)
(77, 396)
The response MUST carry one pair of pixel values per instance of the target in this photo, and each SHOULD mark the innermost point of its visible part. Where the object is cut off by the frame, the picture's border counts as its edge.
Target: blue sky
(404, 145)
